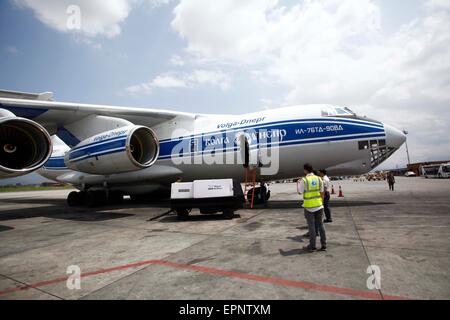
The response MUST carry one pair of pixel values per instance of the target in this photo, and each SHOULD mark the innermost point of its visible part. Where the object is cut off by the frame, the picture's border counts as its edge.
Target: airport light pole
(407, 150)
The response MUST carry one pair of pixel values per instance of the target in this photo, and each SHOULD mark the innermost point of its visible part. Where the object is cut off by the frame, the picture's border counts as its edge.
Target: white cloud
(98, 17)
(177, 61)
(197, 78)
(438, 4)
(211, 78)
(223, 29)
(334, 51)
(157, 3)
(168, 81)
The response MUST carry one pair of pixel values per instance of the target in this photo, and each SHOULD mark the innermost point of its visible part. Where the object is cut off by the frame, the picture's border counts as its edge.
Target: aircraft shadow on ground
(58, 209)
(5, 228)
(294, 204)
(126, 204)
(64, 213)
(204, 217)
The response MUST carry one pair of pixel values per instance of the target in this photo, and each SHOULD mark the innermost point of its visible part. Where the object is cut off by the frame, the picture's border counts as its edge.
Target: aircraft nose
(394, 137)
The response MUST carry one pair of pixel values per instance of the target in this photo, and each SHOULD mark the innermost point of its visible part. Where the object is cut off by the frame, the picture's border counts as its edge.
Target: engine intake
(24, 146)
(125, 149)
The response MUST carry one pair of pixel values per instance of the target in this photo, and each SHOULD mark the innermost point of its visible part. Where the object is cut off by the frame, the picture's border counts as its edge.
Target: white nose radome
(394, 137)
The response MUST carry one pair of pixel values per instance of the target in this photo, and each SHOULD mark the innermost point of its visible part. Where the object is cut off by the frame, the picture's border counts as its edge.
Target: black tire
(74, 199)
(89, 199)
(228, 214)
(183, 213)
(115, 197)
(258, 196)
(95, 198)
(136, 198)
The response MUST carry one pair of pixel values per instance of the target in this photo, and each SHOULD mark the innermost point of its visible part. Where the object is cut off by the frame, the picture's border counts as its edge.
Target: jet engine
(24, 145)
(125, 149)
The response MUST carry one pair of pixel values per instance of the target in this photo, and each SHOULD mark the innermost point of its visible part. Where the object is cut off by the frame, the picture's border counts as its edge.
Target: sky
(386, 59)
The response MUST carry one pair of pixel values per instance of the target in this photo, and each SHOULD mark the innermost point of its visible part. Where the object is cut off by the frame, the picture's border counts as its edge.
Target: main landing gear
(94, 198)
(262, 195)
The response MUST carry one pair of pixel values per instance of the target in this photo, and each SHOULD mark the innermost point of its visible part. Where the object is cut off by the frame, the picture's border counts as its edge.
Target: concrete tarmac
(123, 254)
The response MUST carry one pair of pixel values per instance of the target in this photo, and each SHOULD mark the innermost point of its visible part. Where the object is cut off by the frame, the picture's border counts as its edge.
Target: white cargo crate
(204, 189)
(182, 190)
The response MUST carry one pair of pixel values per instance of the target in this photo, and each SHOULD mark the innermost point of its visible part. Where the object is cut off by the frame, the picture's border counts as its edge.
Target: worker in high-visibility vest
(311, 186)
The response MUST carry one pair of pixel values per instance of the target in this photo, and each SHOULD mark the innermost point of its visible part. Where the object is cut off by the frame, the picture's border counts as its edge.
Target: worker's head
(323, 172)
(307, 168)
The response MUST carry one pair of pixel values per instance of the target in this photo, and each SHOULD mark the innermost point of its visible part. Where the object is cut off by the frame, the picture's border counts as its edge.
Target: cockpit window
(344, 112)
(337, 111)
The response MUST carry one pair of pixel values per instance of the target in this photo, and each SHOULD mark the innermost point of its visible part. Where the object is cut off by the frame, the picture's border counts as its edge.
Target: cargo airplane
(108, 152)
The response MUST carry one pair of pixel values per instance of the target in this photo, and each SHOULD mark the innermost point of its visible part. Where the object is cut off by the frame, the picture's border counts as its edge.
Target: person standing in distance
(313, 192)
(391, 181)
(326, 198)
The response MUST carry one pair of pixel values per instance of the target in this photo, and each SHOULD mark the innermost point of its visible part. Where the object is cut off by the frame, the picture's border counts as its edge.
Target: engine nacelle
(120, 150)
(24, 145)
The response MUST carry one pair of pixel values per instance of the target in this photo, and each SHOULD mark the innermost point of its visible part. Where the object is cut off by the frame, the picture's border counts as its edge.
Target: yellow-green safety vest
(311, 194)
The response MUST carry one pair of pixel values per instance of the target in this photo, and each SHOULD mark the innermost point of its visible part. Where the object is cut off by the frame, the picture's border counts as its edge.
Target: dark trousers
(315, 220)
(326, 206)
(391, 186)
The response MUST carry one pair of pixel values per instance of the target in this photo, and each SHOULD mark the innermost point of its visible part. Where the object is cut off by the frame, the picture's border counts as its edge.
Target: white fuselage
(212, 147)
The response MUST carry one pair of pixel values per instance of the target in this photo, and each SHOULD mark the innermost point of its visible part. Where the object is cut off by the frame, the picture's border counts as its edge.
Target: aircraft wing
(64, 119)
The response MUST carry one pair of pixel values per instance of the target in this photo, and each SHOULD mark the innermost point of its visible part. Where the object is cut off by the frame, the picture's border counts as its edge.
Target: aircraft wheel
(228, 214)
(137, 198)
(258, 197)
(74, 199)
(115, 197)
(95, 198)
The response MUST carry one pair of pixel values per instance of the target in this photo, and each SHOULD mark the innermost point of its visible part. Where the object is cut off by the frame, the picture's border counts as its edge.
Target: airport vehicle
(444, 171)
(436, 170)
(108, 152)
(410, 174)
(376, 176)
(210, 196)
(431, 171)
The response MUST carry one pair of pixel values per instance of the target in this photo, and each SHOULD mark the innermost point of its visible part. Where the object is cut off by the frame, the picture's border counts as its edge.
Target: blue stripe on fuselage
(270, 124)
(55, 163)
(94, 149)
(314, 131)
(291, 132)
(98, 142)
(99, 154)
(280, 144)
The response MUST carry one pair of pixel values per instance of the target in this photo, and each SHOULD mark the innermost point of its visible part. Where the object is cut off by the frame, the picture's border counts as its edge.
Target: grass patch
(32, 188)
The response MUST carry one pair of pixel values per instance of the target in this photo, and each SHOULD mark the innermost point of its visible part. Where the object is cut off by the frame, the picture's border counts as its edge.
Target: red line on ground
(224, 273)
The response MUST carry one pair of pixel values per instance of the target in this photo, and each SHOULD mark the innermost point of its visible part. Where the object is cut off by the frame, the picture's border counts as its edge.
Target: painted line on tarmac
(220, 272)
